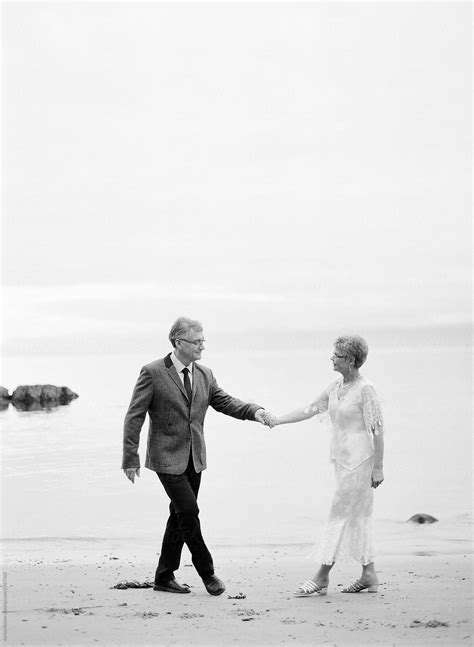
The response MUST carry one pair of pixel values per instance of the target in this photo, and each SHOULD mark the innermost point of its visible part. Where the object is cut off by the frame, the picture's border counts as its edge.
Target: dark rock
(4, 395)
(422, 518)
(41, 396)
(67, 395)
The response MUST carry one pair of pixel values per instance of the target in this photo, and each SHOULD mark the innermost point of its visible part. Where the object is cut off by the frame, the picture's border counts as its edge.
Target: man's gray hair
(181, 327)
(354, 346)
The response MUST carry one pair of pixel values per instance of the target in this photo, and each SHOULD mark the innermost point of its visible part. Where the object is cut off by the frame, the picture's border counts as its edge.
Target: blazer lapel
(172, 372)
(196, 376)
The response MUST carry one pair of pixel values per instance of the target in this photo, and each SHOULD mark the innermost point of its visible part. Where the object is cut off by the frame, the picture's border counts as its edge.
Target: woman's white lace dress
(355, 416)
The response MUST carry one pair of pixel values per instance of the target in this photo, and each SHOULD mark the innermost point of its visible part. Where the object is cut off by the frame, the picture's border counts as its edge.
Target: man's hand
(130, 473)
(266, 418)
(259, 416)
(377, 476)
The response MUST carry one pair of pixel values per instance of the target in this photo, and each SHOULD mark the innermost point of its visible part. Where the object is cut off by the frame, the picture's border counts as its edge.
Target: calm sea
(61, 469)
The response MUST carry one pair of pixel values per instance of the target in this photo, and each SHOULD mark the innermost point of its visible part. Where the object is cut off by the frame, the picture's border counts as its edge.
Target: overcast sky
(267, 164)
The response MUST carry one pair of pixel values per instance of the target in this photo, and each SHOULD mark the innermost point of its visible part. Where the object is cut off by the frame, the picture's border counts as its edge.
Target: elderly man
(176, 393)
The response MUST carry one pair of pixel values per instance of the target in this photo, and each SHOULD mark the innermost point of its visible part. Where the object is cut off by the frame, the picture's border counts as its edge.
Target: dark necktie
(187, 382)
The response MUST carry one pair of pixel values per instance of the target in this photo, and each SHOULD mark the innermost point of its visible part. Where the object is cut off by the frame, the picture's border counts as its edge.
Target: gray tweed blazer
(176, 426)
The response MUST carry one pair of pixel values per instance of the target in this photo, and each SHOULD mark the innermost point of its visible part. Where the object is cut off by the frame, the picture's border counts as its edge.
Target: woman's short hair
(354, 346)
(181, 327)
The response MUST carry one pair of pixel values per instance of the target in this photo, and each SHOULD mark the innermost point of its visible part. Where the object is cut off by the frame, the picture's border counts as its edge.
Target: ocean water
(61, 468)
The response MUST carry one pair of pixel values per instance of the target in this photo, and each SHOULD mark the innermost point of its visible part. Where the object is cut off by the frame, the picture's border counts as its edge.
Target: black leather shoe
(214, 586)
(171, 586)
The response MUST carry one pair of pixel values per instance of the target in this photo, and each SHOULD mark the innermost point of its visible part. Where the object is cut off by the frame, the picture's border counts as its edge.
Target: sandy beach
(58, 592)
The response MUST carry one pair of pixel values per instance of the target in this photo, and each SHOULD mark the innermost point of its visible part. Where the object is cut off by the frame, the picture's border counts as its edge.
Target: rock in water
(4, 398)
(422, 518)
(41, 396)
(4, 395)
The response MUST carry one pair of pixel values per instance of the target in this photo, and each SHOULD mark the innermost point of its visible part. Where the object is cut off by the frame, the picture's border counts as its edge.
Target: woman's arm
(320, 405)
(377, 472)
(372, 412)
(295, 416)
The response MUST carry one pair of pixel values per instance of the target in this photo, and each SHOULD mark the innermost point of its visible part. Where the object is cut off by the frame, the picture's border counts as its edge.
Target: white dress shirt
(178, 364)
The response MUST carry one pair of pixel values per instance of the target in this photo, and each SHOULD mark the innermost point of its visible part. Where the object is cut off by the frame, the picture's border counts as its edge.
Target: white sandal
(358, 586)
(309, 588)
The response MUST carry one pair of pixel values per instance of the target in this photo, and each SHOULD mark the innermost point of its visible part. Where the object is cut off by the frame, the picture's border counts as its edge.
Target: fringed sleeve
(372, 410)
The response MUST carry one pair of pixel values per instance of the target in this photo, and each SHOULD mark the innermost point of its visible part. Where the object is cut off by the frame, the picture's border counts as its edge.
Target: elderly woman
(357, 453)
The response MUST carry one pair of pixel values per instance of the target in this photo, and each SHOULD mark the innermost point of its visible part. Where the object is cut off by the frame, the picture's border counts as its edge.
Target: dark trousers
(183, 526)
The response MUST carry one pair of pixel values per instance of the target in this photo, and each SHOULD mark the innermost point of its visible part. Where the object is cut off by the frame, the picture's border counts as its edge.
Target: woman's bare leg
(369, 576)
(322, 575)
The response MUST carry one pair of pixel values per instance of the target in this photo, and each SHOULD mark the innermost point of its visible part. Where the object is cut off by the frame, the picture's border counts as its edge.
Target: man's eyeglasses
(196, 342)
(339, 356)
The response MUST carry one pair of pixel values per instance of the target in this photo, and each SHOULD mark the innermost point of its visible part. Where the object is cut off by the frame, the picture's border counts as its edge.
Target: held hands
(130, 473)
(266, 418)
(377, 476)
